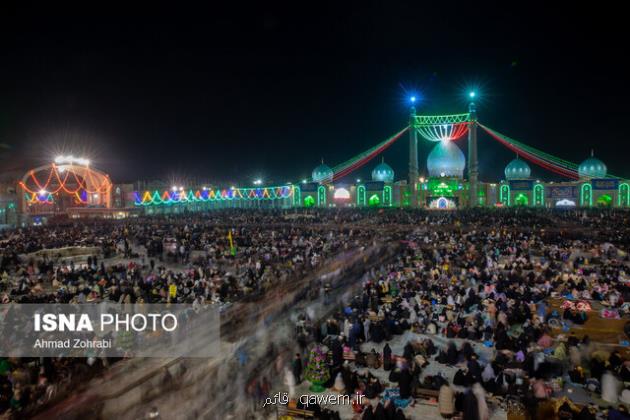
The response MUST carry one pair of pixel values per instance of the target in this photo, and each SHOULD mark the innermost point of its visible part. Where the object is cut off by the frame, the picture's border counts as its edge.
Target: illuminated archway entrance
(521, 200)
(67, 183)
(374, 201)
(565, 203)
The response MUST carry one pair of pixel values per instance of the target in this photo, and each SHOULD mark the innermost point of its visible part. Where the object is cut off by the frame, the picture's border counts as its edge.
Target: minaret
(473, 163)
(413, 156)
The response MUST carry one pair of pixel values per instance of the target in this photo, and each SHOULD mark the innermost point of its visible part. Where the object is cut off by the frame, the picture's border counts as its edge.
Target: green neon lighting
(309, 201)
(604, 200)
(586, 195)
(623, 197)
(571, 166)
(375, 201)
(354, 162)
(429, 120)
(539, 195)
(504, 195)
(387, 196)
(521, 200)
(361, 196)
(442, 187)
(297, 195)
(148, 198)
(321, 196)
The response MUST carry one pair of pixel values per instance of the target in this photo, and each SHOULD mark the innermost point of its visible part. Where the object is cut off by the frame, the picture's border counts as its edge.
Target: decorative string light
(55, 183)
(148, 198)
(443, 132)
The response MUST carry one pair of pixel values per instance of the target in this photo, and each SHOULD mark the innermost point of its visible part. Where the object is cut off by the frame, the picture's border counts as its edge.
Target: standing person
(296, 366)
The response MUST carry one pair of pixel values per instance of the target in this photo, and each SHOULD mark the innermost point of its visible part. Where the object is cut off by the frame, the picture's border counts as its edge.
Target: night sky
(267, 91)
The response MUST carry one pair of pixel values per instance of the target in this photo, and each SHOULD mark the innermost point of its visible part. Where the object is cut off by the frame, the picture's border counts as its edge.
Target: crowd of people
(475, 276)
(497, 311)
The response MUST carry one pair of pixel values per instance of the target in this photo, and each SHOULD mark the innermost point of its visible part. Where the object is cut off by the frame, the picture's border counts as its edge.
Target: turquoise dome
(517, 169)
(446, 159)
(383, 172)
(322, 173)
(592, 168)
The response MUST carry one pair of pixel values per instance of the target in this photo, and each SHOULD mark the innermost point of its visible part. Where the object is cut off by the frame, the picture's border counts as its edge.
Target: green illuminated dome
(592, 168)
(517, 169)
(322, 173)
(446, 160)
(383, 172)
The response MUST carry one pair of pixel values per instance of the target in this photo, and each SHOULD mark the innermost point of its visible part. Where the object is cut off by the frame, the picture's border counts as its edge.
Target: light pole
(473, 162)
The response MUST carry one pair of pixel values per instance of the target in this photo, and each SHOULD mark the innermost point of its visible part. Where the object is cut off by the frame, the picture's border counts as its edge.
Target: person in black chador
(296, 366)
(404, 383)
(387, 357)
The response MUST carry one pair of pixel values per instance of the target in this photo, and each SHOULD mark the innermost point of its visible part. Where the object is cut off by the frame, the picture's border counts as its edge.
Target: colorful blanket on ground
(394, 394)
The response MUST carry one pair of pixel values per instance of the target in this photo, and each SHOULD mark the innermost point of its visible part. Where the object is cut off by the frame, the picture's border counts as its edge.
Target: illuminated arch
(539, 195)
(623, 197)
(361, 201)
(49, 183)
(341, 194)
(321, 196)
(297, 195)
(586, 195)
(375, 201)
(387, 196)
(504, 195)
(565, 202)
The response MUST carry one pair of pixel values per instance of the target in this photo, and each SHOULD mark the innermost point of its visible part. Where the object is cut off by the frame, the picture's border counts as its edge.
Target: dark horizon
(231, 96)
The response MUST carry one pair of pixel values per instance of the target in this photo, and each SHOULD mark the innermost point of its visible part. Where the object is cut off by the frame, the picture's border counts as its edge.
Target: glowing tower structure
(413, 155)
(473, 162)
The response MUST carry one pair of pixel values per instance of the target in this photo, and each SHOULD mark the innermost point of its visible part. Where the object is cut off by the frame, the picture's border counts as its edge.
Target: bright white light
(72, 160)
(95, 195)
(181, 188)
(341, 194)
(412, 99)
(173, 188)
(43, 192)
(358, 180)
(205, 188)
(258, 182)
(303, 181)
(442, 174)
(422, 179)
(232, 187)
(472, 94)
